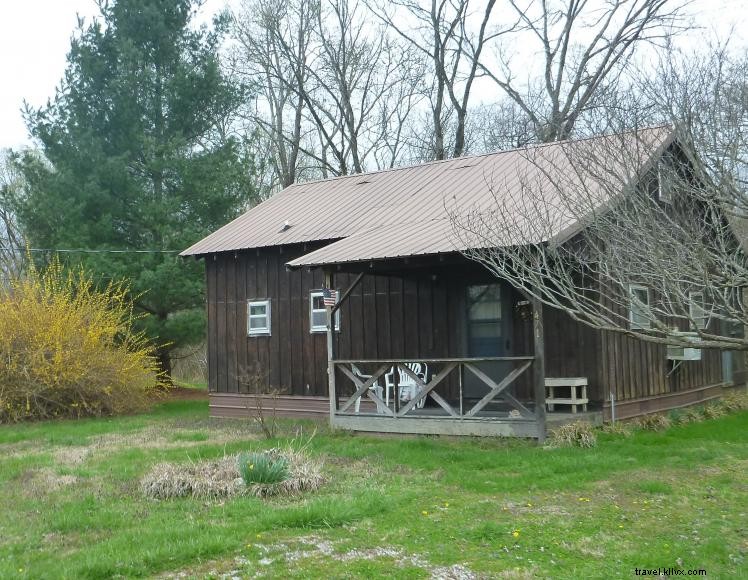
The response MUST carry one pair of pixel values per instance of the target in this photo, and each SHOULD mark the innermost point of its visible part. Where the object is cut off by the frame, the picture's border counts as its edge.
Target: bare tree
(273, 69)
(336, 92)
(12, 242)
(504, 125)
(583, 47)
(452, 35)
(642, 232)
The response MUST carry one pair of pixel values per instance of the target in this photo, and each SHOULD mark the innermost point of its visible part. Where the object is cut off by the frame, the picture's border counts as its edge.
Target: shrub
(69, 349)
(263, 468)
(577, 434)
(653, 422)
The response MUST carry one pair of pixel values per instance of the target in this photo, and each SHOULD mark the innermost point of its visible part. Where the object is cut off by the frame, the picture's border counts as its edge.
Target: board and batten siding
(384, 317)
(419, 314)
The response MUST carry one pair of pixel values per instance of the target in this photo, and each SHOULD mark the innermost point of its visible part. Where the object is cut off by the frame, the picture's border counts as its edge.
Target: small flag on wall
(329, 297)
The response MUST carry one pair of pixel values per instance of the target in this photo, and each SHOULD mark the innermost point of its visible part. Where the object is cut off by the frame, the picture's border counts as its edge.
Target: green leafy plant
(263, 468)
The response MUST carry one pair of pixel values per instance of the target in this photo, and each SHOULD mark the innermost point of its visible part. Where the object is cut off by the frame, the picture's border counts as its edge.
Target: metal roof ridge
(479, 155)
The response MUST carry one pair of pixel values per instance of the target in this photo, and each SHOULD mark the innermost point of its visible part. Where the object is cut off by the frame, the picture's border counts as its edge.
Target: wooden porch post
(538, 367)
(331, 351)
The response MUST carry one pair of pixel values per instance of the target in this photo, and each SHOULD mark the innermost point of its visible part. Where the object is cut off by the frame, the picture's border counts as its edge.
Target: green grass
(393, 506)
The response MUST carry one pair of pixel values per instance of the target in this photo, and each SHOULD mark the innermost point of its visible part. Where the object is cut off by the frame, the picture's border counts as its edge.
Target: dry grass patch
(202, 480)
(654, 422)
(617, 428)
(714, 410)
(72, 456)
(735, 401)
(576, 434)
(169, 438)
(220, 478)
(45, 480)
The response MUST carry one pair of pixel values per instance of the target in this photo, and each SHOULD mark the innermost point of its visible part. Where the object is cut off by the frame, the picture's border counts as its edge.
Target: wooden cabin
(412, 314)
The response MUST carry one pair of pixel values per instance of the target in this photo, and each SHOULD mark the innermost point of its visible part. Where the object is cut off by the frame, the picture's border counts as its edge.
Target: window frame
(320, 329)
(704, 314)
(664, 194)
(633, 324)
(262, 331)
(472, 303)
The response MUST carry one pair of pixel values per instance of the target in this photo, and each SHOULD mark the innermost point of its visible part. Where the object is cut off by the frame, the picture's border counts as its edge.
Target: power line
(85, 250)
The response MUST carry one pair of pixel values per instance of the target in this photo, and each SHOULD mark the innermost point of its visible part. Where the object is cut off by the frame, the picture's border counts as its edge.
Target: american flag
(329, 297)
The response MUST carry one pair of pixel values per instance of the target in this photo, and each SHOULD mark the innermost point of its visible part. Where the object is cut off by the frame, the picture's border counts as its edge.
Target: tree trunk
(164, 365)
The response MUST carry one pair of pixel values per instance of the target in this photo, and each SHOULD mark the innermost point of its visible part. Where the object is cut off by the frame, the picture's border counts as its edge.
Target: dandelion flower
(515, 533)
(425, 513)
(446, 504)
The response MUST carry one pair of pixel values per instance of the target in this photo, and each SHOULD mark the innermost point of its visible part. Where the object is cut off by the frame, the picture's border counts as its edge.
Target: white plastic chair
(374, 387)
(408, 387)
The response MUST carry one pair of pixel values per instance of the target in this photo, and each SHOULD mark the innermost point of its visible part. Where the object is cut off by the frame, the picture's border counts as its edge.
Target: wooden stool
(574, 399)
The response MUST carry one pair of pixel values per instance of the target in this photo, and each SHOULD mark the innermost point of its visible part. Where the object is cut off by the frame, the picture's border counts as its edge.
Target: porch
(493, 387)
(435, 401)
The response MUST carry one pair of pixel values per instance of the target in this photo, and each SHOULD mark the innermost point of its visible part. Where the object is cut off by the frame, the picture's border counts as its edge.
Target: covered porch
(413, 403)
(481, 373)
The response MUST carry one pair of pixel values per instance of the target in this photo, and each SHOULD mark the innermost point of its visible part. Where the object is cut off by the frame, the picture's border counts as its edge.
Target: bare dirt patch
(292, 552)
(185, 394)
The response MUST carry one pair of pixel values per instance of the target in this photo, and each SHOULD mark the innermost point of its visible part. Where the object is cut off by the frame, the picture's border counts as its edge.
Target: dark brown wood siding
(572, 349)
(417, 312)
(634, 369)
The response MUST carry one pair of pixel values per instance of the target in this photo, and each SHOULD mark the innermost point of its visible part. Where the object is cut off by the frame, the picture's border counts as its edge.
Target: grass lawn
(402, 507)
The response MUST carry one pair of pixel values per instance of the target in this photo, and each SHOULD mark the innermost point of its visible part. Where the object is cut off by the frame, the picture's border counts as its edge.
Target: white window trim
(265, 330)
(316, 329)
(633, 324)
(704, 315)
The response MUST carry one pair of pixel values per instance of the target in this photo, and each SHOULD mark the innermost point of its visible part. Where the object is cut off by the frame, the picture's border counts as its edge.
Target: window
(318, 312)
(665, 176)
(258, 317)
(639, 315)
(696, 309)
(486, 336)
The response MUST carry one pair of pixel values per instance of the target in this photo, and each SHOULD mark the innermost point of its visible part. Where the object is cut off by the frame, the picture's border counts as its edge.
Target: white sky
(35, 38)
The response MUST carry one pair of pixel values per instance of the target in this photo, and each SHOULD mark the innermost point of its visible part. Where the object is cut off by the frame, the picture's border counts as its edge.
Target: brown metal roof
(403, 211)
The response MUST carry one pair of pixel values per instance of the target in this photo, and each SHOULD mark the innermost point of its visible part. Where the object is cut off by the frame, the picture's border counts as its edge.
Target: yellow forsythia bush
(68, 349)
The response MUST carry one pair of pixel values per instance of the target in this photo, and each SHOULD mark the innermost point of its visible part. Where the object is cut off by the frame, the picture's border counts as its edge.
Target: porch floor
(498, 410)
(491, 421)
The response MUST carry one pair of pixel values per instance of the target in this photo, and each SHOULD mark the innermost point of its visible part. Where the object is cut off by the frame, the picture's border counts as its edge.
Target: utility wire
(85, 251)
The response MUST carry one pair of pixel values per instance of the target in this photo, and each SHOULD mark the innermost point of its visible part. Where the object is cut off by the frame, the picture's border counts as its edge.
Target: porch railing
(345, 407)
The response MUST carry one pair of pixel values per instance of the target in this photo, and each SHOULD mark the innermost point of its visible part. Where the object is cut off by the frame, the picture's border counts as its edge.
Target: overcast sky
(35, 37)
